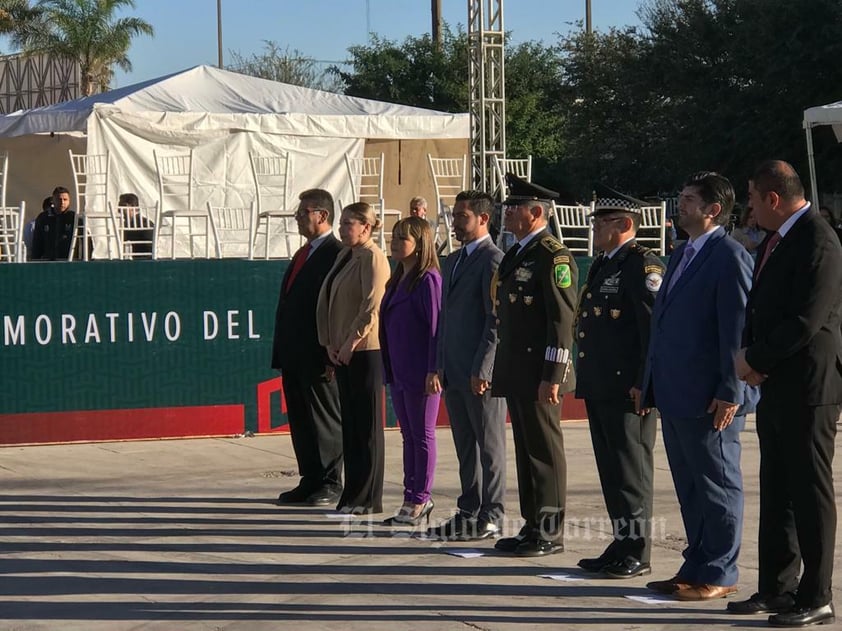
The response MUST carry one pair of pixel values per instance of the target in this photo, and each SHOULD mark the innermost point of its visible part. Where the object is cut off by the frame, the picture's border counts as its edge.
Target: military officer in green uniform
(612, 335)
(535, 294)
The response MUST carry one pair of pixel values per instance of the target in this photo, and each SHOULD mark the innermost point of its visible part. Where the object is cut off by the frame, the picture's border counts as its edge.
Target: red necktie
(770, 245)
(297, 263)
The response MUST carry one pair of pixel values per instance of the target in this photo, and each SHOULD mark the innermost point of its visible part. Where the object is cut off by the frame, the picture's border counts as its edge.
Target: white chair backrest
(450, 177)
(233, 229)
(175, 180)
(521, 167)
(575, 226)
(366, 178)
(90, 181)
(11, 233)
(136, 229)
(271, 174)
(653, 228)
(4, 171)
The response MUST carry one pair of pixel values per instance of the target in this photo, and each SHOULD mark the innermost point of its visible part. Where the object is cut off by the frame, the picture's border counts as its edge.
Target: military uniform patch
(653, 269)
(654, 280)
(522, 274)
(615, 313)
(551, 243)
(563, 276)
(561, 258)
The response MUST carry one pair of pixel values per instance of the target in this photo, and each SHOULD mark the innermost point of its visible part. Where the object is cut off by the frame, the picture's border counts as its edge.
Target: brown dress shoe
(705, 592)
(669, 586)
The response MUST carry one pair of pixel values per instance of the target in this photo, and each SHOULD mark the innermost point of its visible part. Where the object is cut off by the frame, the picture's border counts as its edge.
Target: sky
(186, 30)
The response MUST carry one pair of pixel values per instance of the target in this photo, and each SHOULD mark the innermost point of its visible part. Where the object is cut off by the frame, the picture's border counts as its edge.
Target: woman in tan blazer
(347, 321)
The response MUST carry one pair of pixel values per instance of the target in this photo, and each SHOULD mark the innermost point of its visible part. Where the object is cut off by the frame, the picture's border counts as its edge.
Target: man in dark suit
(311, 394)
(614, 314)
(690, 376)
(466, 345)
(535, 301)
(793, 348)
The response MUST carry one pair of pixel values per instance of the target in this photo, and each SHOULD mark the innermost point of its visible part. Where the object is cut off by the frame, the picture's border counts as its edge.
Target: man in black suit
(614, 315)
(536, 288)
(311, 394)
(793, 348)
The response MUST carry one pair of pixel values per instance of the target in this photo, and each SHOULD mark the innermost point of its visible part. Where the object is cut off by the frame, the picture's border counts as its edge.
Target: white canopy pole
(812, 162)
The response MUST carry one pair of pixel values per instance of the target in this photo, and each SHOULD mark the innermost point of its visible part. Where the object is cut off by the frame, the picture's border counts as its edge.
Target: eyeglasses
(604, 220)
(303, 212)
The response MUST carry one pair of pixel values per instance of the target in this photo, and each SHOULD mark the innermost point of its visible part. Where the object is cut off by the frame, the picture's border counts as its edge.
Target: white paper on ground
(652, 600)
(562, 577)
(340, 516)
(465, 554)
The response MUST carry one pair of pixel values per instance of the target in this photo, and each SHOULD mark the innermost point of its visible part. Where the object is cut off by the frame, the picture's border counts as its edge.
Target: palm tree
(85, 31)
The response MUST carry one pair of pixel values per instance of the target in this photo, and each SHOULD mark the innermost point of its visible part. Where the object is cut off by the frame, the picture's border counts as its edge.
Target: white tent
(830, 114)
(222, 116)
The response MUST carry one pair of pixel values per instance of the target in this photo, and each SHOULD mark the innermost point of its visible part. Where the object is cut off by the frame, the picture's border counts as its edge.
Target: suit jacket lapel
(695, 265)
(787, 242)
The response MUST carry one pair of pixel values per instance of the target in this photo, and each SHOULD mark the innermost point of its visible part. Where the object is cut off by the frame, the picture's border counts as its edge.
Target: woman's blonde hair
(425, 246)
(364, 213)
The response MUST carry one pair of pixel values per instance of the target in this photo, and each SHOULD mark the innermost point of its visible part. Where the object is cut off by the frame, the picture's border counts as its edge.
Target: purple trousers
(417, 413)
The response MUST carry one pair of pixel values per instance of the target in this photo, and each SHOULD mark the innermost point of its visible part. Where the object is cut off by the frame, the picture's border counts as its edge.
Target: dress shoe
(510, 544)
(596, 564)
(538, 548)
(298, 495)
(627, 568)
(804, 616)
(669, 586)
(356, 510)
(479, 529)
(324, 496)
(759, 603)
(453, 528)
(413, 516)
(703, 591)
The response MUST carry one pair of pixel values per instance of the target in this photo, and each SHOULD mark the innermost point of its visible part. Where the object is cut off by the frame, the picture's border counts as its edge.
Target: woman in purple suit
(409, 317)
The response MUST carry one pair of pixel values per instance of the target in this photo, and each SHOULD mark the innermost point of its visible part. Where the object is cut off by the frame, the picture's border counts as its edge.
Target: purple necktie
(689, 251)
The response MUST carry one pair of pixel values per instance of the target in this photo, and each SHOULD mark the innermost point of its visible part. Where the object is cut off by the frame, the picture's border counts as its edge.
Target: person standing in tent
(53, 233)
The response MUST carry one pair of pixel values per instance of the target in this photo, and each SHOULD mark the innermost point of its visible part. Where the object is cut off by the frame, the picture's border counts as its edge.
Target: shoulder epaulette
(551, 243)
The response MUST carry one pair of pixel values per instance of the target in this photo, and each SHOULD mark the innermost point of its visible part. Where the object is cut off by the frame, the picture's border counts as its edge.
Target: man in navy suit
(690, 376)
(465, 359)
(311, 394)
(793, 348)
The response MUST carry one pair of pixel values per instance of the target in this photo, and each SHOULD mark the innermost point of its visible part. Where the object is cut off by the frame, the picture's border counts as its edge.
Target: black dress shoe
(804, 616)
(627, 568)
(538, 548)
(478, 530)
(297, 495)
(596, 564)
(760, 603)
(453, 528)
(510, 544)
(324, 496)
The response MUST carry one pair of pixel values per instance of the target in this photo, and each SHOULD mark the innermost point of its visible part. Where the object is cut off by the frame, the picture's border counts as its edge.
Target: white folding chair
(11, 233)
(574, 228)
(366, 177)
(450, 177)
(93, 219)
(521, 167)
(4, 170)
(653, 228)
(175, 202)
(271, 174)
(233, 227)
(136, 230)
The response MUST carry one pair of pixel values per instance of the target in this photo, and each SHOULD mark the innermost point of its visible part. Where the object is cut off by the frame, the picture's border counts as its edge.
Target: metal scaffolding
(487, 101)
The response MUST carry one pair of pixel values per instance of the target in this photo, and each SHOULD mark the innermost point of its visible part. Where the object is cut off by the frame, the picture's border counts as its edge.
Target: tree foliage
(86, 31)
(277, 64)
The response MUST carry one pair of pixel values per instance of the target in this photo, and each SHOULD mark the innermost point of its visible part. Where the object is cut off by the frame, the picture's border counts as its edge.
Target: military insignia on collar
(653, 281)
(597, 311)
(513, 298)
(527, 300)
(615, 313)
(563, 275)
(522, 275)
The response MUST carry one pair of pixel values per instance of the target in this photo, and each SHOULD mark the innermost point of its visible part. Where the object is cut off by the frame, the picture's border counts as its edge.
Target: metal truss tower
(487, 81)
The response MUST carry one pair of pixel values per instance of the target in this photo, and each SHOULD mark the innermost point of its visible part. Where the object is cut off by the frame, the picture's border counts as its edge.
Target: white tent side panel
(830, 114)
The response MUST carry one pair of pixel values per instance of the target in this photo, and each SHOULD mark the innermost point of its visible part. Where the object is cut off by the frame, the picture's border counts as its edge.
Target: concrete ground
(184, 534)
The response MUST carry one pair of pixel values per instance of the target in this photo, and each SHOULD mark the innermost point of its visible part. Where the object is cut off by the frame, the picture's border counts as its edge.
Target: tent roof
(830, 114)
(210, 90)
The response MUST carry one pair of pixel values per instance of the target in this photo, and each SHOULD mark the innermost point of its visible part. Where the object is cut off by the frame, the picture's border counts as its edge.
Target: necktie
(463, 255)
(689, 251)
(770, 245)
(297, 263)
